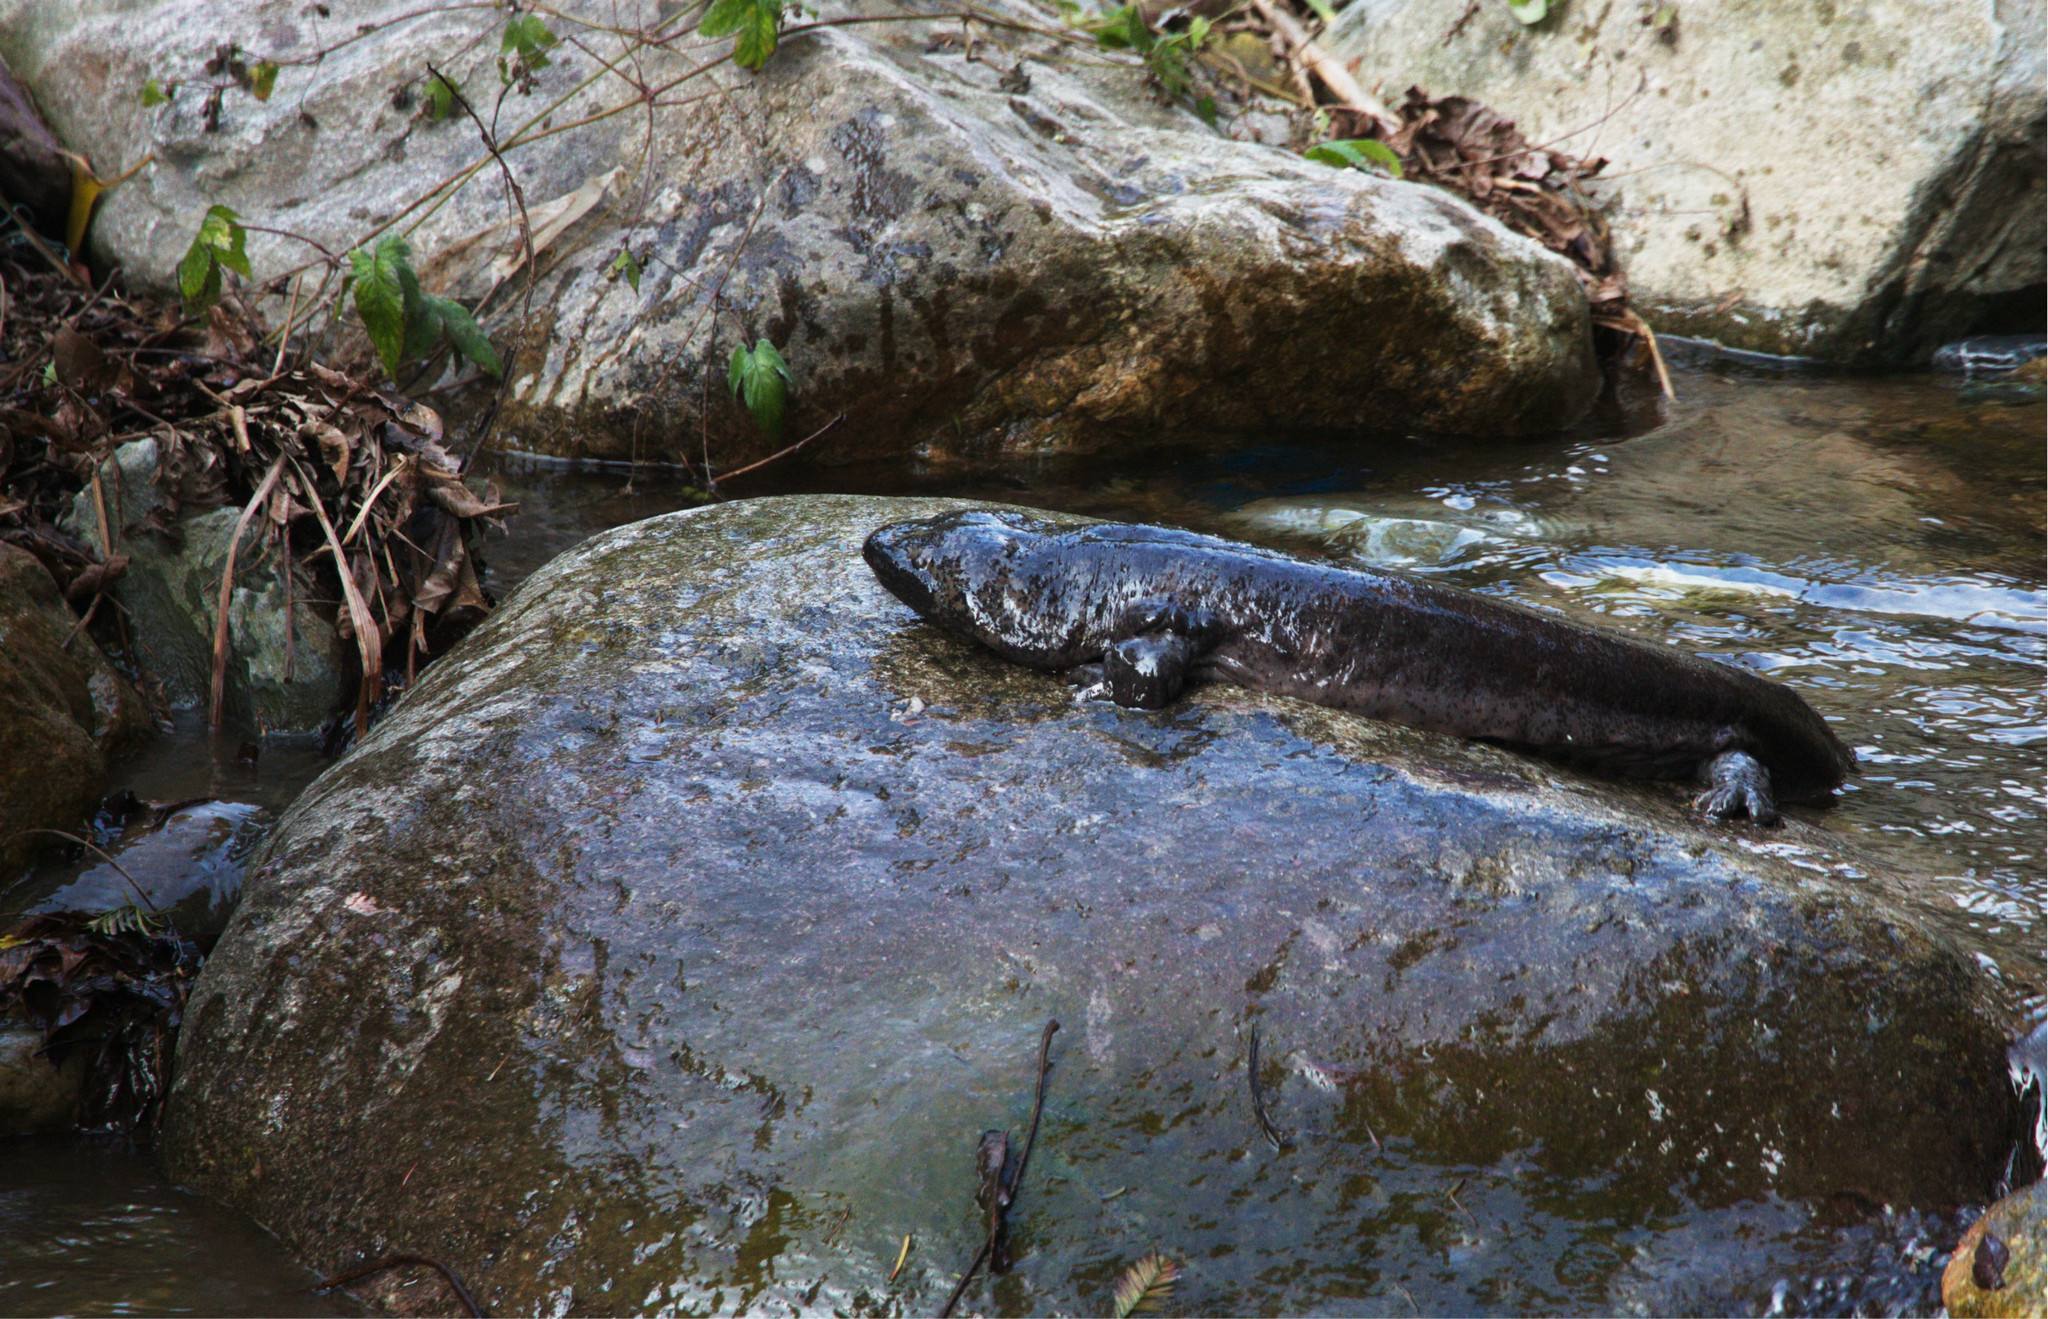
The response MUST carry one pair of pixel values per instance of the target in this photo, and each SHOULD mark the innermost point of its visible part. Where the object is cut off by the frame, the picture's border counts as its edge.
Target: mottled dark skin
(1156, 608)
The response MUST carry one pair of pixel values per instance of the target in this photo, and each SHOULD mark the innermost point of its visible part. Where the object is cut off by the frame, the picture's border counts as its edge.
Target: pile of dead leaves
(1457, 143)
(346, 491)
(112, 987)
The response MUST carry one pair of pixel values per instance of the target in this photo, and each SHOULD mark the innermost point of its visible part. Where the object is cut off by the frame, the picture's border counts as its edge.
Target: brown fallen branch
(1005, 1188)
(217, 695)
(1324, 67)
(1629, 322)
(781, 453)
(448, 1275)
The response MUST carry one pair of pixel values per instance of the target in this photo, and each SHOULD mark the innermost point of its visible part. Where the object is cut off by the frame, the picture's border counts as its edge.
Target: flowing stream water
(1877, 542)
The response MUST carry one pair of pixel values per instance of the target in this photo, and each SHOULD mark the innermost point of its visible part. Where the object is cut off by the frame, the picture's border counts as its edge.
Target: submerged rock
(186, 868)
(1022, 247)
(1758, 199)
(671, 943)
(63, 711)
(281, 676)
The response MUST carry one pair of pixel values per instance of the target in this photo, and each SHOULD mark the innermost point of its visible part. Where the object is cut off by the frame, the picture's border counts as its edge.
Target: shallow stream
(1876, 542)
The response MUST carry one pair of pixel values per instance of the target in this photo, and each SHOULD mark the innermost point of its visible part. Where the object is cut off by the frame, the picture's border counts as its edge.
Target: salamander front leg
(1737, 784)
(1147, 671)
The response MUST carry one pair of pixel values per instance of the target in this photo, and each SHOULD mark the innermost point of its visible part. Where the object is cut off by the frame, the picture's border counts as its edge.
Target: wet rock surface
(1757, 199)
(1019, 248)
(63, 710)
(672, 942)
(185, 868)
(1997, 1271)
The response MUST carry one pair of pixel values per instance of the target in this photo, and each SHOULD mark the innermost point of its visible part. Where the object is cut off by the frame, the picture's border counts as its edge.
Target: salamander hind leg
(1737, 784)
(1147, 672)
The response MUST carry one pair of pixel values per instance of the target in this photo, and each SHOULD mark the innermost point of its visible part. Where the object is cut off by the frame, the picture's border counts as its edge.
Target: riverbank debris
(112, 986)
(1146, 1285)
(350, 489)
(998, 1180)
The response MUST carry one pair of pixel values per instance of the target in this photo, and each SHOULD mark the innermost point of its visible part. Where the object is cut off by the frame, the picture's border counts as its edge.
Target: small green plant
(440, 96)
(155, 93)
(1356, 153)
(1168, 56)
(405, 322)
(1529, 12)
(221, 241)
(760, 379)
(125, 920)
(754, 25)
(523, 49)
(625, 264)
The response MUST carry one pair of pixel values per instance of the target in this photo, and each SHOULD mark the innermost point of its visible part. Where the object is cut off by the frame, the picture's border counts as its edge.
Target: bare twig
(227, 585)
(1324, 66)
(448, 1275)
(104, 856)
(1010, 1184)
(1251, 1068)
(778, 454)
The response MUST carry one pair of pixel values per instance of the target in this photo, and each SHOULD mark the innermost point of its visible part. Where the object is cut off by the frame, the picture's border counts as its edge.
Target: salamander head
(974, 572)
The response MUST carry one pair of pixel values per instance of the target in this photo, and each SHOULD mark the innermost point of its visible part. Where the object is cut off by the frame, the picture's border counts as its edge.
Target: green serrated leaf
(262, 79)
(754, 25)
(380, 296)
(527, 36)
(624, 264)
(464, 334)
(1356, 153)
(154, 93)
(440, 98)
(1529, 12)
(760, 378)
(221, 241)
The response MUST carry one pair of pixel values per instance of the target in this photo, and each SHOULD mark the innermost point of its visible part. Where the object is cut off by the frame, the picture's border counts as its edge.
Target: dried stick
(1009, 1189)
(1324, 66)
(227, 587)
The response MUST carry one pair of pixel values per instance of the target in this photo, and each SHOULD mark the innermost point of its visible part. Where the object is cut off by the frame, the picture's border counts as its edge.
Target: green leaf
(221, 241)
(1356, 153)
(464, 335)
(262, 79)
(760, 379)
(624, 264)
(528, 37)
(1205, 109)
(1323, 10)
(1529, 12)
(440, 98)
(754, 25)
(154, 94)
(380, 295)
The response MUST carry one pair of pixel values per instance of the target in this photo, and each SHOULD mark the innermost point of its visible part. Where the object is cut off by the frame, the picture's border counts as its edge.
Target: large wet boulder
(287, 669)
(671, 943)
(1853, 182)
(1021, 247)
(63, 711)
